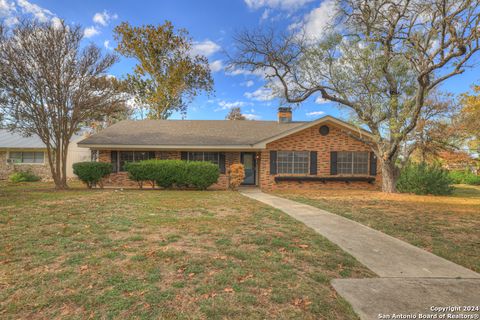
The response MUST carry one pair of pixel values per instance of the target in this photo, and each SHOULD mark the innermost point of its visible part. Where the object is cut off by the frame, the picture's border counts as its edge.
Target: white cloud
(265, 14)
(6, 8)
(41, 14)
(262, 94)
(10, 21)
(56, 22)
(251, 116)
(248, 83)
(90, 32)
(107, 45)
(318, 20)
(8, 11)
(320, 100)
(315, 113)
(236, 72)
(216, 65)
(288, 5)
(206, 48)
(104, 17)
(224, 105)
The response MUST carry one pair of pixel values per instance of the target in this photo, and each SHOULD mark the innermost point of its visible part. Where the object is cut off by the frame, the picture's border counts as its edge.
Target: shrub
(465, 177)
(457, 176)
(139, 172)
(174, 173)
(236, 174)
(168, 173)
(24, 176)
(92, 173)
(424, 179)
(201, 175)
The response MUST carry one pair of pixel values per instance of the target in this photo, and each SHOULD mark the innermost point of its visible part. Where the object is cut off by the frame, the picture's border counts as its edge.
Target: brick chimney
(284, 114)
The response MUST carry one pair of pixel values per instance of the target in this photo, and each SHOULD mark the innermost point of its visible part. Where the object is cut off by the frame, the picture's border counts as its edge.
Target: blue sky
(211, 23)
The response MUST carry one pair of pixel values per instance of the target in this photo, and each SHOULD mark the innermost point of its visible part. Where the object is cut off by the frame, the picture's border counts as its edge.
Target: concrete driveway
(411, 280)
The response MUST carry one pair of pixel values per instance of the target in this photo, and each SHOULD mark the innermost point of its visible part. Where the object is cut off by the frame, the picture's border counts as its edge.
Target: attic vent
(324, 130)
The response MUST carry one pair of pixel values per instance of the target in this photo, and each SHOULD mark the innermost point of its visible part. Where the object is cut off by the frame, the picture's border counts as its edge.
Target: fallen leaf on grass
(303, 246)
(209, 295)
(243, 279)
(267, 292)
(84, 268)
(151, 253)
(301, 302)
(181, 270)
(228, 289)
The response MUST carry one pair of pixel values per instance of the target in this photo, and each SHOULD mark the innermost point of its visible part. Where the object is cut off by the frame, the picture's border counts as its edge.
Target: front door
(249, 164)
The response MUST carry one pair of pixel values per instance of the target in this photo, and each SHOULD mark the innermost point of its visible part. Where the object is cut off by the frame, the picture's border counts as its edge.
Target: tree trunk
(58, 169)
(389, 176)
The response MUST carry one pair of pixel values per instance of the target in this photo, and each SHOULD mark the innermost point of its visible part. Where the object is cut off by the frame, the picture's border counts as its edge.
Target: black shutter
(313, 163)
(184, 155)
(221, 163)
(114, 160)
(273, 162)
(333, 163)
(373, 164)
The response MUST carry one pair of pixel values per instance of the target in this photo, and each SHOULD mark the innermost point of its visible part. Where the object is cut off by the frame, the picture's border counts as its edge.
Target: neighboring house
(275, 154)
(19, 153)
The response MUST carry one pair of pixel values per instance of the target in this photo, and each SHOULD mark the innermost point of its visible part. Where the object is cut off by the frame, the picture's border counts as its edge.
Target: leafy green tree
(167, 76)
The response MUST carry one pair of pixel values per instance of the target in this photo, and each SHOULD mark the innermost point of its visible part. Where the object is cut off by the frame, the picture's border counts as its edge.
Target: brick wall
(6, 169)
(120, 179)
(311, 140)
(307, 140)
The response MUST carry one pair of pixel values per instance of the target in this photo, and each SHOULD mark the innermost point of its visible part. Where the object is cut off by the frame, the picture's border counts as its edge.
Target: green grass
(447, 226)
(161, 254)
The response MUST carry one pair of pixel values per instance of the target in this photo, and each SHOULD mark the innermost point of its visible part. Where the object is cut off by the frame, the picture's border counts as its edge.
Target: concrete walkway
(388, 257)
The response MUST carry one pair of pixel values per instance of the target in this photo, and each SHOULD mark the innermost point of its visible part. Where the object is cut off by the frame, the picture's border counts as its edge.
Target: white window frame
(293, 162)
(352, 164)
(25, 163)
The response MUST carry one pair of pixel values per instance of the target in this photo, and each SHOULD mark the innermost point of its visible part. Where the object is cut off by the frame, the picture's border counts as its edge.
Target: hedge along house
(19, 153)
(276, 154)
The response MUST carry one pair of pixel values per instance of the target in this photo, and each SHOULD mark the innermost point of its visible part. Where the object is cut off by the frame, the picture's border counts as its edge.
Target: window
(94, 155)
(292, 162)
(119, 158)
(213, 157)
(27, 157)
(352, 162)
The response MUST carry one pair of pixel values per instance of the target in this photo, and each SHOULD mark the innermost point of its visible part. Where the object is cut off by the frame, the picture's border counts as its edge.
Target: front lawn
(161, 254)
(447, 226)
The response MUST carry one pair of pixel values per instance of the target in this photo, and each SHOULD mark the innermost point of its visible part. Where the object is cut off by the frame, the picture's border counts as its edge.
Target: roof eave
(168, 147)
(361, 132)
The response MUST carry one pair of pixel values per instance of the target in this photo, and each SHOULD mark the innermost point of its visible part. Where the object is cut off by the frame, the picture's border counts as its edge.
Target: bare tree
(50, 85)
(235, 114)
(380, 59)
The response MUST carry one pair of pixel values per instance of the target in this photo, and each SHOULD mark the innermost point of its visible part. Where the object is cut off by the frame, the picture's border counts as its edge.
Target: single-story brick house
(276, 154)
(19, 153)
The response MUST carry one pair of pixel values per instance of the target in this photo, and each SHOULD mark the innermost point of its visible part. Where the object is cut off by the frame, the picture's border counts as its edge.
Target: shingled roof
(202, 134)
(14, 140)
(188, 133)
